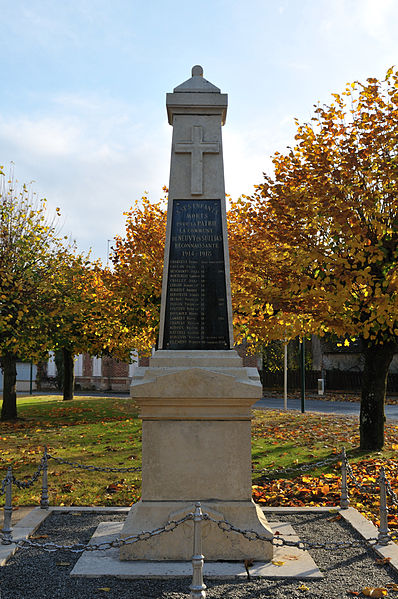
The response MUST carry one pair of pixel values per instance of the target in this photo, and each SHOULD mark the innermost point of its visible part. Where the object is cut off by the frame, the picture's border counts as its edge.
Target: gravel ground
(32, 573)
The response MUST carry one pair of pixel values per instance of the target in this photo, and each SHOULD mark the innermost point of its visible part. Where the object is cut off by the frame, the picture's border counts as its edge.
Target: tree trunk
(374, 384)
(69, 374)
(9, 367)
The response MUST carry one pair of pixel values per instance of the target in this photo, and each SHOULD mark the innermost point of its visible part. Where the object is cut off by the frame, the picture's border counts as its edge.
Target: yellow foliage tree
(30, 253)
(137, 273)
(319, 239)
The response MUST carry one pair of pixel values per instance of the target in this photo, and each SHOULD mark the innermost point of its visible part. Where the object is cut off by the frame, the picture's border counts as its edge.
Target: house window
(79, 365)
(97, 366)
(133, 363)
(51, 366)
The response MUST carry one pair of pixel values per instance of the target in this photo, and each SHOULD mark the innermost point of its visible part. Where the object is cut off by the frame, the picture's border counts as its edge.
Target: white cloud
(375, 18)
(90, 159)
(47, 137)
(356, 18)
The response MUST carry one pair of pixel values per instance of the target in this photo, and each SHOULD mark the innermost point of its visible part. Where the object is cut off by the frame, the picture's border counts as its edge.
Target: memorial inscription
(196, 302)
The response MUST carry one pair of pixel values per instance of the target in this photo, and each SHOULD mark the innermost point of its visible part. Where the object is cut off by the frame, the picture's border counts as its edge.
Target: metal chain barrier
(271, 474)
(93, 468)
(223, 525)
(278, 541)
(21, 484)
(366, 488)
(116, 543)
(197, 587)
(381, 484)
(391, 493)
(7, 528)
(3, 485)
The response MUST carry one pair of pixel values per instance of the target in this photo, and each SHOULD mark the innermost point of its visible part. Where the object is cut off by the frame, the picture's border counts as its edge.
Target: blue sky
(83, 84)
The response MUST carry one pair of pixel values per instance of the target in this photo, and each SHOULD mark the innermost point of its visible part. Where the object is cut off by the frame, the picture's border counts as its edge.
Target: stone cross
(197, 147)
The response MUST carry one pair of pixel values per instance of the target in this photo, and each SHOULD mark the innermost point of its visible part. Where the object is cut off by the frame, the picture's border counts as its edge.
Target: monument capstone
(195, 397)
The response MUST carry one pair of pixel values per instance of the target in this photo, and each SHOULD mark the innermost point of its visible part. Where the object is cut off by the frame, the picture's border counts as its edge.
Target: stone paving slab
(294, 563)
(22, 530)
(367, 530)
(364, 527)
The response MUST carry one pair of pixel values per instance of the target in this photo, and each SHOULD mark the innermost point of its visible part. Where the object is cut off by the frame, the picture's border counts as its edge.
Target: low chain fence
(381, 486)
(197, 587)
(269, 475)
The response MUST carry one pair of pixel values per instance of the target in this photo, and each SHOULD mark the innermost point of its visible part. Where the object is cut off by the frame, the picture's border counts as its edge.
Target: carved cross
(197, 147)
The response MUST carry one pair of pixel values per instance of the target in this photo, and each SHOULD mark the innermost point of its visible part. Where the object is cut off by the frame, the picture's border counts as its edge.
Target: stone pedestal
(196, 413)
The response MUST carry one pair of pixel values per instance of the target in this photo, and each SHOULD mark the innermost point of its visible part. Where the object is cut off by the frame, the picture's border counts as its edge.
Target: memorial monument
(195, 397)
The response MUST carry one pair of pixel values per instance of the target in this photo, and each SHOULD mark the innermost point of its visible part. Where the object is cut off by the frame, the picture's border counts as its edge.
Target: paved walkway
(319, 405)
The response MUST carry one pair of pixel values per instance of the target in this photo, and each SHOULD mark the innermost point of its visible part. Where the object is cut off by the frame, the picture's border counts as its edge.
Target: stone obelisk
(195, 397)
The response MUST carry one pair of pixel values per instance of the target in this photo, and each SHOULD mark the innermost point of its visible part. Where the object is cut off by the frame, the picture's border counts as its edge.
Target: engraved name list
(196, 305)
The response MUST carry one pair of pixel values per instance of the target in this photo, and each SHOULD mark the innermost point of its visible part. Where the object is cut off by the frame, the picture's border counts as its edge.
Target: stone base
(195, 408)
(288, 562)
(177, 545)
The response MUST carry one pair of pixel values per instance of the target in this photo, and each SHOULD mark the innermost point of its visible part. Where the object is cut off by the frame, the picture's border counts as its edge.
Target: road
(324, 407)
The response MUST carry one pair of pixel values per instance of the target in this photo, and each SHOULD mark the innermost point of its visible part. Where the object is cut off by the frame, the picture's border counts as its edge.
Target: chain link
(3, 485)
(223, 525)
(366, 488)
(93, 468)
(116, 543)
(391, 493)
(272, 474)
(25, 484)
(279, 541)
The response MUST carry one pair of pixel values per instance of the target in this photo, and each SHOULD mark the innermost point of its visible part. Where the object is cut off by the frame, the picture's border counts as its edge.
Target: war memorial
(195, 397)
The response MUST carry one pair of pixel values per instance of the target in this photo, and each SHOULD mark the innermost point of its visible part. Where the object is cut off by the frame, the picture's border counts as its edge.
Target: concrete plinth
(196, 447)
(177, 545)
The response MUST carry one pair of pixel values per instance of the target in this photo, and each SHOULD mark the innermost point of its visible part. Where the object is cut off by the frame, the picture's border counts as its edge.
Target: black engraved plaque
(196, 303)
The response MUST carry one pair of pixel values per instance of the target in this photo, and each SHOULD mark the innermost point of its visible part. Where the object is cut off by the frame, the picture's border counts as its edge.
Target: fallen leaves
(277, 562)
(325, 490)
(382, 561)
(248, 564)
(375, 592)
(335, 518)
(115, 487)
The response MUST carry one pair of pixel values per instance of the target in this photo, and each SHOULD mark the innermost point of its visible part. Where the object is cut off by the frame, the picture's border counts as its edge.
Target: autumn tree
(137, 271)
(319, 239)
(29, 257)
(75, 287)
(94, 313)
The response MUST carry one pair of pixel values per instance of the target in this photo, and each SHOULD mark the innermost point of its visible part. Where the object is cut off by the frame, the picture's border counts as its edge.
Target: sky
(83, 85)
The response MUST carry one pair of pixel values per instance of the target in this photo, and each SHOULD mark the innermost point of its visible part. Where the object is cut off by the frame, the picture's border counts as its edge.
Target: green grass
(107, 432)
(90, 430)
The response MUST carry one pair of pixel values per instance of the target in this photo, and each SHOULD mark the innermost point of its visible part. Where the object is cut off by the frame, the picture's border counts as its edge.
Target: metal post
(7, 528)
(44, 485)
(197, 587)
(302, 375)
(285, 377)
(344, 498)
(383, 536)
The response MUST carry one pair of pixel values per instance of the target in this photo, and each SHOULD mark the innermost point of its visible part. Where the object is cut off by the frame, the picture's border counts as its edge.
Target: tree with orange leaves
(137, 272)
(319, 238)
(138, 268)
